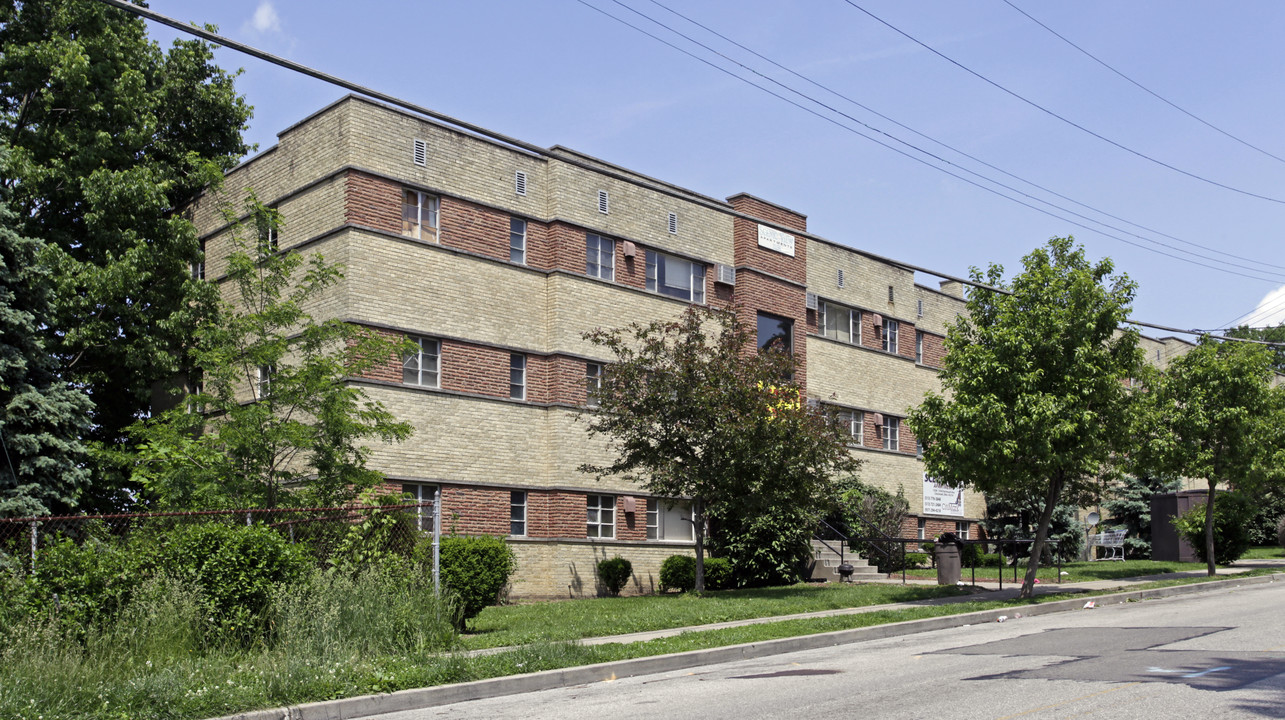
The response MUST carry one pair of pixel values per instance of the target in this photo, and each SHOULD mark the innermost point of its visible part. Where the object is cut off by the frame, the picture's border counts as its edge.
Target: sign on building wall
(774, 239)
(942, 500)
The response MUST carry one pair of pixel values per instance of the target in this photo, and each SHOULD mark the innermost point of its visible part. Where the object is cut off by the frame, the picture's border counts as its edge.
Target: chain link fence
(325, 531)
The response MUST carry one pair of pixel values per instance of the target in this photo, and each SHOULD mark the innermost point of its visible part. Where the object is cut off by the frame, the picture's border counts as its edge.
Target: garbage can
(948, 552)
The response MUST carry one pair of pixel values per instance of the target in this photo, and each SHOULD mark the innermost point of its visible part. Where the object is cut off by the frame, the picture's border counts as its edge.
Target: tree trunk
(1209, 528)
(698, 523)
(1041, 535)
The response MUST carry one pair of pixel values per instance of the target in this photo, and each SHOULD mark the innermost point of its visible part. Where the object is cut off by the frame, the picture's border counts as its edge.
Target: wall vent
(673, 224)
(921, 308)
(630, 249)
(841, 277)
(602, 202)
(519, 182)
(420, 155)
(810, 301)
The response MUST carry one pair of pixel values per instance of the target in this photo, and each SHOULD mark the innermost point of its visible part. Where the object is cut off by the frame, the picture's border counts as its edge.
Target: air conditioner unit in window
(810, 301)
(726, 274)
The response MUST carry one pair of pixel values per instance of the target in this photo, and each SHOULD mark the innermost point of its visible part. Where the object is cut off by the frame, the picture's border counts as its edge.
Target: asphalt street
(1214, 655)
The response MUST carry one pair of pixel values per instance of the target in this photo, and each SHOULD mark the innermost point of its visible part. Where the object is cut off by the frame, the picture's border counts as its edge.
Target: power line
(920, 150)
(1259, 313)
(354, 87)
(1144, 88)
(978, 160)
(1064, 119)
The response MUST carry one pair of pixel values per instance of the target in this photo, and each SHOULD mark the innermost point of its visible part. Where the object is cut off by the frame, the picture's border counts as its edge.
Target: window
(267, 234)
(888, 338)
(517, 240)
(517, 376)
(919, 346)
(669, 519)
(419, 215)
(854, 422)
(517, 512)
(923, 525)
(891, 432)
(839, 323)
(519, 182)
(775, 333)
(422, 364)
(675, 277)
(198, 267)
(592, 383)
(600, 257)
(602, 202)
(601, 516)
(421, 493)
(265, 380)
(961, 529)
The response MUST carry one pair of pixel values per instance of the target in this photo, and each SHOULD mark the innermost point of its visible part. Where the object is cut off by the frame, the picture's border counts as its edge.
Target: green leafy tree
(41, 417)
(1015, 517)
(111, 137)
(271, 408)
(691, 410)
(1033, 402)
(1213, 414)
(1270, 334)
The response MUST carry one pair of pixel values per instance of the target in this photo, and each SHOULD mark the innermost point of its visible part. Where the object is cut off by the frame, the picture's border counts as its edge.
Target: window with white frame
(922, 526)
(264, 386)
(422, 364)
(517, 512)
(592, 383)
(919, 347)
(888, 338)
(669, 519)
(675, 277)
(517, 376)
(961, 529)
(198, 267)
(601, 516)
(891, 432)
(517, 240)
(419, 215)
(422, 493)
(267, 229)
(839, 323)
(600, 257)
(853, 422)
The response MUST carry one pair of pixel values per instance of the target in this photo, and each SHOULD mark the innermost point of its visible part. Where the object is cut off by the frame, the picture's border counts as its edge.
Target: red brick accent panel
(390, 370)
(373, 202)
(631, 272)
(933, 528)
(756, 292)
(934, 350)
(750, 205)
(631, 526)
(477, 369)
(470, 227)
(560, 514)
(906, 439)
(475, 511)
(566, 247)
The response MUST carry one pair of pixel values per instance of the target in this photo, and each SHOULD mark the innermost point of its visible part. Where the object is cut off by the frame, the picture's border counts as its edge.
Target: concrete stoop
(825, 565)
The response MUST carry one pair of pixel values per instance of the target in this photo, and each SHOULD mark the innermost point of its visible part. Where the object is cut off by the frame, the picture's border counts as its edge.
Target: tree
(1033, 400)
(1269, 334)
(269, 407)
(1212, 414)
(41, 417)
(691, 410)
(1129, 504)
(111, 138)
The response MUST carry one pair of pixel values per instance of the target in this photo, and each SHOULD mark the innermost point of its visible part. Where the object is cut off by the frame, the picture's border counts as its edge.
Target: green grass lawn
(574, 619)
(1265, 552)
(1075, 572)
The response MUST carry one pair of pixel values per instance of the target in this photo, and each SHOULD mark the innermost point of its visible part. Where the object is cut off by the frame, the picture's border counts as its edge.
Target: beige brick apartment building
(495, 260)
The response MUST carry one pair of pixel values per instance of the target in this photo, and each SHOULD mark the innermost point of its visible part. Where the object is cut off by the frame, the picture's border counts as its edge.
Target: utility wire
(918, 159)
(1259, 313)
(936, 141)
(1144, 88)
(1064, 119)
(535, 149)
(903, 126)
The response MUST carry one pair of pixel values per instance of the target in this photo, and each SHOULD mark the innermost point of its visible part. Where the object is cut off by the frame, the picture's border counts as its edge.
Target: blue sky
(560, 72)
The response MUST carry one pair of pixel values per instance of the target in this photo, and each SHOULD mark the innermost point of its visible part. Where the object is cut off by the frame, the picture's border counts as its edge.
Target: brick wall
(373, 201)
(934, 350)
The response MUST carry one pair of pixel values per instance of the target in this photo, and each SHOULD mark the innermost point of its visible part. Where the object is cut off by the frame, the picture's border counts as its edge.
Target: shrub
(615, 573)
(988, 560)
(678, 572)
(971, 556)
(476, 570)
(1280, 531)
(916, 560)
(718, 573)
(237, 570)
(1231, 535)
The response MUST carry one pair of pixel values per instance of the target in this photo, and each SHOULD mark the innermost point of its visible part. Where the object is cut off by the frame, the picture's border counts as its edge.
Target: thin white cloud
(265, 19)
(1270, 310)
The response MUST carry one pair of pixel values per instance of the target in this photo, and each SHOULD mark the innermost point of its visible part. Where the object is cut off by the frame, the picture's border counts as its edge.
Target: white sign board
(774, 239)
(942, 500)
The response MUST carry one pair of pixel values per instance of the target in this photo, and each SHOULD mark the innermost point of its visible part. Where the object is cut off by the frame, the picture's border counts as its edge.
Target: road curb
(419, 698)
